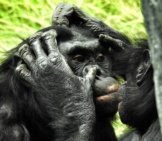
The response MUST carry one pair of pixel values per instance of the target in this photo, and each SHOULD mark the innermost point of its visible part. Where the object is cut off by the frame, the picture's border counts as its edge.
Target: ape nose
(87, 68)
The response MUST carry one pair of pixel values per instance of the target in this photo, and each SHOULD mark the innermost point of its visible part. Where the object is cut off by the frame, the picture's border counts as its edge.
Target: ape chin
(106, 96)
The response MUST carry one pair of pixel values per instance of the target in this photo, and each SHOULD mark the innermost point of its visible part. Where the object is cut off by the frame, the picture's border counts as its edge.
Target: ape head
(138, 108)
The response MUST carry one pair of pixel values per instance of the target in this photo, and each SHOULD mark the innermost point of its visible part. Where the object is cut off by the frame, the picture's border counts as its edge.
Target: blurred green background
(21, 18)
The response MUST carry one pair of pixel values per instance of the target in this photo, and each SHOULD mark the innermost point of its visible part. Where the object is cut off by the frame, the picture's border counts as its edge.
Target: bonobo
(41, 98)
(138, 106)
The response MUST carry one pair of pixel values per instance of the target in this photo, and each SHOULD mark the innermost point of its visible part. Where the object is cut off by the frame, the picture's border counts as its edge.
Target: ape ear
(144, 66)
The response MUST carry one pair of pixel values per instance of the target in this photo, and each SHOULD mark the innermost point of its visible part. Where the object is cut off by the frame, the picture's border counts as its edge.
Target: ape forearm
(69, 15)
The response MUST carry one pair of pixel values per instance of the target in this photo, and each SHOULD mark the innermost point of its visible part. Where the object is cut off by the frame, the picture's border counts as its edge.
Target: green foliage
(21, 18)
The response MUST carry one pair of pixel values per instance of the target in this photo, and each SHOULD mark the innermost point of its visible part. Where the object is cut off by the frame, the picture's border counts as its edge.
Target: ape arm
(69, 15)
(67, 98)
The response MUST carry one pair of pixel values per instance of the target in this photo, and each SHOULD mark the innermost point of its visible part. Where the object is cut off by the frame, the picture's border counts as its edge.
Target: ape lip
(109, 92)
(113, 88)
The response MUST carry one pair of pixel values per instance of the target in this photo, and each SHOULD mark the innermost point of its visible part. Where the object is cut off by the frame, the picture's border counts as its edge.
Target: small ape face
(138, 103)
(138, 66)
(81, 53)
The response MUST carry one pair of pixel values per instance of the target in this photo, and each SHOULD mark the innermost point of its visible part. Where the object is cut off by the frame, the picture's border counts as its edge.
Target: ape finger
(61, 12)
(81, 15)
(44, 65)
(26, 55)
(36, 45)
(66, 11)
(116, 44)
(24, 73)
(49, 38)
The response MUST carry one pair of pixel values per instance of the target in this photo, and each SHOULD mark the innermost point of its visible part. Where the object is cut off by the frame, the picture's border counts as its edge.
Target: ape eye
(100, 58)
(78, 58)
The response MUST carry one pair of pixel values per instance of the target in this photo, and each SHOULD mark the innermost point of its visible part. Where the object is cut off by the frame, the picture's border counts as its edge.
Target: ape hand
(42, 62)
(59, 90)
(68, 14)
(115, 44)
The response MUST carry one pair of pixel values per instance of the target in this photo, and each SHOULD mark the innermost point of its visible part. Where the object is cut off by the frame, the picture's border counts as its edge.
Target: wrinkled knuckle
(23, 49)
(43, 63)
(35, 36)
(20, 68)
(54, 57)
(22, 71)
(49, 34)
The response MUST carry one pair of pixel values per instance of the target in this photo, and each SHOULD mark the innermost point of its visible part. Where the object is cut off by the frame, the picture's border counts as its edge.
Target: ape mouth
(110, 93)
(107, 102)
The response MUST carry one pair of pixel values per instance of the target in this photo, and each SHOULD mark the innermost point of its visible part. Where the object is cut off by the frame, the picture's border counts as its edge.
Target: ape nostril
(87, 68)
(98, 72)
(85, 71)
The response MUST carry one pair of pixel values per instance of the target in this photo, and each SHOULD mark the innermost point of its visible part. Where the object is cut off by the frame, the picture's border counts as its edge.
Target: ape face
(81, 55)
(82, 52)
(137, 108)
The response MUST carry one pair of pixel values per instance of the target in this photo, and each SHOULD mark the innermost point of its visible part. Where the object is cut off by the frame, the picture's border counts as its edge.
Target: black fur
(138, 107)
